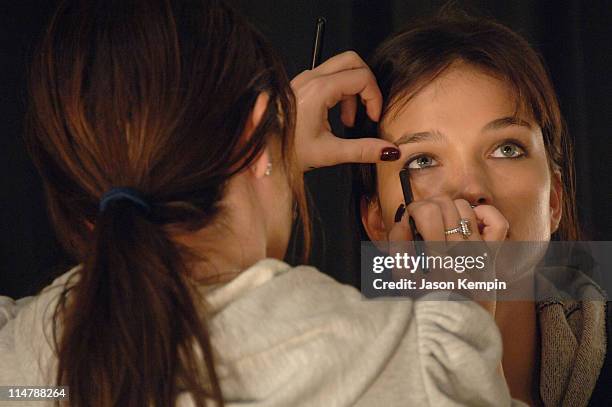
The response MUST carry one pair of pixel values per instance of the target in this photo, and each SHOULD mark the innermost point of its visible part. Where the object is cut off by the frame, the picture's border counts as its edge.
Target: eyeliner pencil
(404, 175)
(407, 190)
(317, 46)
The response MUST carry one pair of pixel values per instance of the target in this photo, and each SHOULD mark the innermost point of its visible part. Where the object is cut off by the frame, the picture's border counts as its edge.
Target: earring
(268, 169)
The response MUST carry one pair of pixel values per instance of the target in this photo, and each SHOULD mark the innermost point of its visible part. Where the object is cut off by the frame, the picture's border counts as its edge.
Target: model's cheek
(429, 183)
(525, 206)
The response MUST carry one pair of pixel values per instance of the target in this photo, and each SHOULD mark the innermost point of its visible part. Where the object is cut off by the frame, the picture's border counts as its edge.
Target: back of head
(415, 56)
(151, 95)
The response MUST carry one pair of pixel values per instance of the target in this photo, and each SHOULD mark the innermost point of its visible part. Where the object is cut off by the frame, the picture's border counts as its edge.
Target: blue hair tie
(116, 194)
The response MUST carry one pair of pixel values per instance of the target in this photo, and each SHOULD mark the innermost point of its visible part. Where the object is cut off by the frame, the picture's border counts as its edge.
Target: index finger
(341, 62)
(358, 81)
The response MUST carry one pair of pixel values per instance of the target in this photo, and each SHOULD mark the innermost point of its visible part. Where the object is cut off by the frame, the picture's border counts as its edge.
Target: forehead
(463, 97)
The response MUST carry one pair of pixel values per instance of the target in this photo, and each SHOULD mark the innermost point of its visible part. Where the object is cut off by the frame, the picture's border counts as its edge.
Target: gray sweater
(295, 337)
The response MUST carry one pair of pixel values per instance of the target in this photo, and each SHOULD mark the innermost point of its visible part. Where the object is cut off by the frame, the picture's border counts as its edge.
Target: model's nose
(471, 183)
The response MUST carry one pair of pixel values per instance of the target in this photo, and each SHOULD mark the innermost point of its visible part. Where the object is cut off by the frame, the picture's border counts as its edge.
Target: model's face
(458, 138)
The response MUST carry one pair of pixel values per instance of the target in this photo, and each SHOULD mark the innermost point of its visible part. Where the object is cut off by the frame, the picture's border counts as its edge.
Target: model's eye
(509, 150)
(421, 162)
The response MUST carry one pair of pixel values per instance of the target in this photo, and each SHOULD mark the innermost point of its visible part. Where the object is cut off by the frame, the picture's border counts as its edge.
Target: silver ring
(452, 231)
(463, 228)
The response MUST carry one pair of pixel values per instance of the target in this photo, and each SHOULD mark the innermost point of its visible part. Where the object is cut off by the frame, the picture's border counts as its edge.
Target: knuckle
(367, 78)
(305, 73)
(318, 83)
(461, 201)
(440, 199)
(351, 55)
(425, 209)
(463, 204)
(370, 75)
(320, 86)
(505, 224)
(363, 153)
(301, 78)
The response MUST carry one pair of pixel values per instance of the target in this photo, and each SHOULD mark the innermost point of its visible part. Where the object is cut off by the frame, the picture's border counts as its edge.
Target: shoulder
(297, 321)
(602, 393)
(26, 336)
(272, 280)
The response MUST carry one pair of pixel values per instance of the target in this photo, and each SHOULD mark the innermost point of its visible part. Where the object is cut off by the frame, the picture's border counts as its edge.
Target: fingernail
(400, 212)
(390, 154)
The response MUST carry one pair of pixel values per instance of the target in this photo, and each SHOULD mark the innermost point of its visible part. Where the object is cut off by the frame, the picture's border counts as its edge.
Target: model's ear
(556, 201)
(372, 220)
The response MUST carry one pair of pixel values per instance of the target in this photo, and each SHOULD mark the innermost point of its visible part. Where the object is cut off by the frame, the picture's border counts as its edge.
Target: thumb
(495, 224)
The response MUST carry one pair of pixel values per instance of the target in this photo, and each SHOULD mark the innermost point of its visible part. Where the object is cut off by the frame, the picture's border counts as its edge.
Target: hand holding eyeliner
(317, 47)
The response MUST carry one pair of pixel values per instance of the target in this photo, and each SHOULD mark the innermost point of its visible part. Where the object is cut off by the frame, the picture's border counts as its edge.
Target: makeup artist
(171, 151)
(471, 107)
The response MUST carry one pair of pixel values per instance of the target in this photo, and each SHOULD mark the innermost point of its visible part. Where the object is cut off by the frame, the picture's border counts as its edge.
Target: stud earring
(268, 169)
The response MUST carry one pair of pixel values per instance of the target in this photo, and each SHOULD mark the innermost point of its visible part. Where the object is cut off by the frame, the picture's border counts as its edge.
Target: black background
(574, 38)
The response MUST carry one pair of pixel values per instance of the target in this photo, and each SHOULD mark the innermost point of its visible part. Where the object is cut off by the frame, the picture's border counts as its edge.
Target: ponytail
(132, 321)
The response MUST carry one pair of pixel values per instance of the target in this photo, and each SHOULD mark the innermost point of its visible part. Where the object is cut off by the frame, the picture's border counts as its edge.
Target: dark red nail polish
(390, 154)
(399, 213)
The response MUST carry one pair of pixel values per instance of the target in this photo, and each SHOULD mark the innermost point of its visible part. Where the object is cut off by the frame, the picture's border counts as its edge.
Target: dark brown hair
(415, 56)
(153, 95)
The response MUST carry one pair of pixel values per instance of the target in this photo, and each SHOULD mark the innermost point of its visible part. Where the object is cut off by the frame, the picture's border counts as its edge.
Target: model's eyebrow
(420, 136)
(435, 135)
(504, 122)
